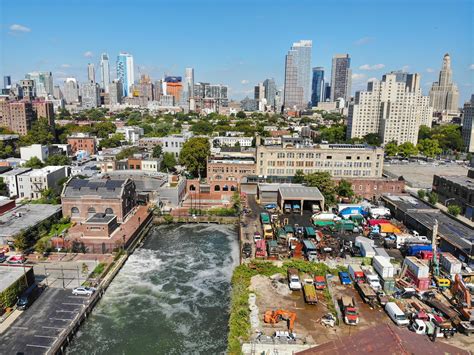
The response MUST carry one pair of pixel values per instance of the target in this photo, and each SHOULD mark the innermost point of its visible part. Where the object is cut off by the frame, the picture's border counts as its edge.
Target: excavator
(273, 317)
(463, 298)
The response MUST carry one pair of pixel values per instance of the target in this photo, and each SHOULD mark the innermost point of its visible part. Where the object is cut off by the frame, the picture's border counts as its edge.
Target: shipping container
(366, 250)
(450, 264)
(388, 228)
(418, 267)
(388, 285)
(324, 223)
(423, 283)
(375, 222)
(418, 248)
(359, 240)
(383, 266)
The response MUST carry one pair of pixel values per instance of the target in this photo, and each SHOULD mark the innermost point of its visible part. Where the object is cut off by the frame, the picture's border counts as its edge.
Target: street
(37, 328)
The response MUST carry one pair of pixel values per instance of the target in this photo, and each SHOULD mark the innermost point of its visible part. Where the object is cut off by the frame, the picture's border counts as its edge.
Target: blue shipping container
(415, 249)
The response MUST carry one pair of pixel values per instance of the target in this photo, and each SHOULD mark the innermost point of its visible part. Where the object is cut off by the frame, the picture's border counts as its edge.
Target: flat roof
(462, 180)
(16, 171)
(300, 193)
(8, 275)
(101, 218)
(449, 228)
(24, 217)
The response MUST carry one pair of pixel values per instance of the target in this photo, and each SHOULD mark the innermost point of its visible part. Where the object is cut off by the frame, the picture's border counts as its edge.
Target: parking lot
(36, 330)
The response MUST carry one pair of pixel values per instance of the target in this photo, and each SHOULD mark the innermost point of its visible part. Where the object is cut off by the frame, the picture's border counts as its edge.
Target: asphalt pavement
(36, 330)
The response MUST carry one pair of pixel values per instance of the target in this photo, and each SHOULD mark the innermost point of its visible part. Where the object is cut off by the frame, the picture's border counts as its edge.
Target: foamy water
(171, 297)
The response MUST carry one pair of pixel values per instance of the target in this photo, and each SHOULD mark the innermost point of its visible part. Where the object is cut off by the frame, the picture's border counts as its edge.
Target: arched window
(225, 188)
(233, 188)
(109, 211)
(192, 188)
(74, 211)
(217, 188)
(218, 177)
(91, 211)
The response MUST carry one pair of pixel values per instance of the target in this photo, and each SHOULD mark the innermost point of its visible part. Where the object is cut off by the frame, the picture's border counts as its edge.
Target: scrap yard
(313, 276)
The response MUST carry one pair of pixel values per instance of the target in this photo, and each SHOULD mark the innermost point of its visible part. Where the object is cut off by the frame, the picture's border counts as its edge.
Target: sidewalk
(9, 321)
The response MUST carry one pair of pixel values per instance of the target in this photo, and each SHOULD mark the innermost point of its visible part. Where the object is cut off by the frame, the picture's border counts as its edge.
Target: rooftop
(105, 188)
(8, 137)
(16, 171)
(43, 171)
(464, 181)
(8, 275)
(300, 193)
(101, 218)
(24, 217)
(449, 228)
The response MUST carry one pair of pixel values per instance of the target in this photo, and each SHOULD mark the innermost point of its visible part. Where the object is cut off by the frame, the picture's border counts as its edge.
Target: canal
(171, 297)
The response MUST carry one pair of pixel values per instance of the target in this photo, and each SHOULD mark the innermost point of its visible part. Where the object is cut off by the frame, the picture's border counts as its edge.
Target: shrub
(454, 210)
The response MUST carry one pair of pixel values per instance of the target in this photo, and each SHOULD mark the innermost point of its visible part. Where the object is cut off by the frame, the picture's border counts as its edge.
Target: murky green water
(171, 297)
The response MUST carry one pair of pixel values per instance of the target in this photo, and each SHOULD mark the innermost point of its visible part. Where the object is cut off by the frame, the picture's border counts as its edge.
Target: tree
(34, 163)
(424, 132)
(391, 149)
(344, 189)
(241, 115)
(454, 210)
(57, 160)
(127, 153)
(114, 141)
(372, 139)
(168, 162)
(333, 134)
(429, 147)
(3, 188)
(421, 194)
(6, 151)
(202, 127)
(407, 149)
(299, 177)
(157, 150)
(432, 198)
(323, 181)
(40, 133)
(194, 155)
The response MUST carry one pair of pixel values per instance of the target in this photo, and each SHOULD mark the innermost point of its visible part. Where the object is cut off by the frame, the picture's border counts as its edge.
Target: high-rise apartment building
(444, 94)
(468, 125)
(90, 95)
(91, 72)
(341, 77)
(21, 116)
(393, 108)
(27, 88)
(297, 90)
(125, 72)
(57, 93)
(71, 91)
(104, 72)
(43, 83)
(7, 82)
(317, 86)
(115, 92)
(270, 92)
(259, 92)
(44, 109)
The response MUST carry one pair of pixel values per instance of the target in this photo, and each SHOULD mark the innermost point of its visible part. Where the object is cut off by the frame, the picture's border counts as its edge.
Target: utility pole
(434, 237)
(62, 273)
(78, 278)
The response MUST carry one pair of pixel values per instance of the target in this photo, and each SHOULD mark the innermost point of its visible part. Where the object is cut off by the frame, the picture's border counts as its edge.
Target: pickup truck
(349, 311)
(309, 292)
(293, 279)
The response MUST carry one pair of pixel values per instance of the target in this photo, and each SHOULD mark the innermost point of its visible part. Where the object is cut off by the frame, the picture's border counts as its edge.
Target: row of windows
(340, 172)
(336, 164)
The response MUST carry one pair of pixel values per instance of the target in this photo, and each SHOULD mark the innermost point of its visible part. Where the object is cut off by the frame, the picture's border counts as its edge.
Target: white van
(396, 314)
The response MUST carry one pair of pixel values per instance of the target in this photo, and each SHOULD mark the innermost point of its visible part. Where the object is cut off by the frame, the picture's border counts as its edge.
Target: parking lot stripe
(73, 304)
(65, 320)
(57, 328)
(38, 346)
(15, 327)
(63, 311)
(44, 336)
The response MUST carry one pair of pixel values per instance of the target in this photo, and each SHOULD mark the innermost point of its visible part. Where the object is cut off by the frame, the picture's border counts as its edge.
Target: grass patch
(239, 322)
(98, 270)
(58, 228)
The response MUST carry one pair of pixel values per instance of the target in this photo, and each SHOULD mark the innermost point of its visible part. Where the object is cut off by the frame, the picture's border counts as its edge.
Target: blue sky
(238, 43)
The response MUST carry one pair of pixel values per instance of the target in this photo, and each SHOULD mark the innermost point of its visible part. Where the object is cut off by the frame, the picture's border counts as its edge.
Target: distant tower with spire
(444, 94)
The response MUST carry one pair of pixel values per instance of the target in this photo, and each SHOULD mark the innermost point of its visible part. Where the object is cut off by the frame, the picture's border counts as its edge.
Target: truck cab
(296, 208)
(293, 279)
(418, 326)
(351, 315)
(267, 231)
(373, 281)
(319, 282)
(287, 208)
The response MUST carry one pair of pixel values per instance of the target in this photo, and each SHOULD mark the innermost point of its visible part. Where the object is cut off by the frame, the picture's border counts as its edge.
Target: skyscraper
(259, 92)
(71, 91)
(7, 82)
(393, 108)
(297, 91)
(90, 95)
(270, 92)
(444, 95)
(91, 72)
(317, 87)
(188, 95)
(468, 125)
(125, 72)
(104, 72)
(341, 77)
(43, 83)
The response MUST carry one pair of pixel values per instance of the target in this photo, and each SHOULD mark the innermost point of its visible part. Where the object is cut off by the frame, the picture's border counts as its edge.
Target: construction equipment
(273, 317)
(462, 298)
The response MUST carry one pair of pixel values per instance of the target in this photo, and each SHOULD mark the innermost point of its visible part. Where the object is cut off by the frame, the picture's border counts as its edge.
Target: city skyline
(240, 61)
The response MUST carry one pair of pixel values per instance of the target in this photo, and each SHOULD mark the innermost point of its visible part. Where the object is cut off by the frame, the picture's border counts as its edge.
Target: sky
(238, 43)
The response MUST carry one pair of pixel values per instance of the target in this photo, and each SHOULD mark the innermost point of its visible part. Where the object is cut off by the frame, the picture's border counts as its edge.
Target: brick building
(44, 109)
(224, 173)
(82, 142)
(374, 188)
(19, 116)
(81, 199)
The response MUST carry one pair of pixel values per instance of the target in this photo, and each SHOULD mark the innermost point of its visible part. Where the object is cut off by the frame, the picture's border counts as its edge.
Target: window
(109, 211)
(74, 210)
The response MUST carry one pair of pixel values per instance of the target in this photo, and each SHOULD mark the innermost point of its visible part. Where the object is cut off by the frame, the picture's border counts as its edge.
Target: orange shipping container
(389, 228)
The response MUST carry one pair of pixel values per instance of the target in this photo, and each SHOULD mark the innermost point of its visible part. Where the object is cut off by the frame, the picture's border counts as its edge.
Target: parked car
(270, 206)
(247, 250)
(83, 291)
(28, 297)
(257, 236)
(344, 277)
(16, 259)
(3, 258)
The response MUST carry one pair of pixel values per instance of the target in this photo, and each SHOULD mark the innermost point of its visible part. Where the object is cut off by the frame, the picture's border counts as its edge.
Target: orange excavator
(463, 298)
(273, 317)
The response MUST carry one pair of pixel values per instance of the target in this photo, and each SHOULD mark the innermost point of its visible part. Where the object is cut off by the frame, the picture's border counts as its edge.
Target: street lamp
(449, 199)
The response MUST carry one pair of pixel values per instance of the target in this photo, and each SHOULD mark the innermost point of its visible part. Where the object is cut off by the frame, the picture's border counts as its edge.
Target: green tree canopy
(332, 134)
(168, 163)
(202, 127)
(3, 188)
(391, 149)
(241, 115)
(407, 149)
(372, 139)
(344, 189)
(34, 163)
(114, 141)
(429, 147)
(299, 177)
(40, 133)
(454, 210)
(194, 155)
(325, 184)
(127, 153)
(58, 159)
(157, 150)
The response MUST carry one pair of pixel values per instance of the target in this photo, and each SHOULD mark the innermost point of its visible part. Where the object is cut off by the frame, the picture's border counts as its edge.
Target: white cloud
(372, 79)
(372, 67)
(88, 54)
(429, 70)
(363, 40)
(471, 67)
(16, 28)
(65, 65)
(244, 82)
(358, 76)
(405, 68)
